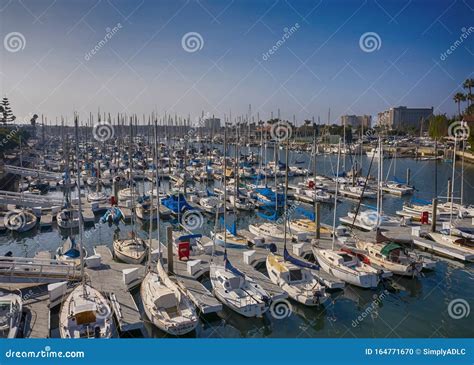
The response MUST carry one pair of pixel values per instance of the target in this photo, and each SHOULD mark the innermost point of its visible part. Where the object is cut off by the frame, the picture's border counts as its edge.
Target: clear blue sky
(143, 67)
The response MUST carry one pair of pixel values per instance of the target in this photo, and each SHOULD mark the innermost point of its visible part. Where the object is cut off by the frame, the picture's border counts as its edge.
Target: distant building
(402, 117)
(356, 121)
(212, 124)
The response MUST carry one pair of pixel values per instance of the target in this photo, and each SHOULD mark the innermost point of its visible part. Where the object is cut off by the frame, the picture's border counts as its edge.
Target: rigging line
(361, 196)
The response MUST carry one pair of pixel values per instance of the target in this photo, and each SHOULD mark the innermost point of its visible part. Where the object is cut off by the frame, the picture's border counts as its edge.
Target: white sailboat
(131, 250)
(391, 257)
(11, 306)
(295, 276)
(85, 313)
(232, 287)
(341, 264)
(68, 252)
(164, 302)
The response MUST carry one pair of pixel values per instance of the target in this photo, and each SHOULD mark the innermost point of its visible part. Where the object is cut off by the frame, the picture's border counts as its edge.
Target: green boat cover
(389, 248)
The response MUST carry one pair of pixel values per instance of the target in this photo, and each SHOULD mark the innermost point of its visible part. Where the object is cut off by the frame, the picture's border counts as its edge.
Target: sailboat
(166, 305)
(232, 237)
(131, 250)
(11, 306)
(68, 217)
(295, 276)
(392, 257)
(164, 302)
(68, 252)
(232, 287)
(341, 264)
(21, 220)
(85, 313)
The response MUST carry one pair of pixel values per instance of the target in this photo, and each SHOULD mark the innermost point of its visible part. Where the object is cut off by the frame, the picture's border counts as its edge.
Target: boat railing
(37, 268)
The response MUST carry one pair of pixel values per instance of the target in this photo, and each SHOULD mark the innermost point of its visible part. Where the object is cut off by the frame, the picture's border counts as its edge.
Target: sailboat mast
(81, 251)
(286, 192)
(451, 193)
(225, 185)
(335, 195)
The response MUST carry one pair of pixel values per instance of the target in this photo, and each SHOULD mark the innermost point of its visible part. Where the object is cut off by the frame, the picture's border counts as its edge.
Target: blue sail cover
(297, 262)
(341, 174)
(177, 203)
(299, 162)
(73, 252)
(228, 266)
(232, 229)
(306, 213)
(188, 237)
(113, 212)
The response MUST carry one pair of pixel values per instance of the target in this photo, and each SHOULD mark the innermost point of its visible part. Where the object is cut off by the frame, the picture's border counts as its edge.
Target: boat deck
(108, 278)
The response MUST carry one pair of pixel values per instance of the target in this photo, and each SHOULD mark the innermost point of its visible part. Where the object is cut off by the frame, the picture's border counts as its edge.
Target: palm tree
(458, 98)
(468, 85)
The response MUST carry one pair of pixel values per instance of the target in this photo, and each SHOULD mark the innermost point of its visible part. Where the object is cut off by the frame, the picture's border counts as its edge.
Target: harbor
(235, 170)
(116, 201)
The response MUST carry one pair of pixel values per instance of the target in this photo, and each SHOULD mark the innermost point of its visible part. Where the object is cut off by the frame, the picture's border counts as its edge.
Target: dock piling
(433, 214)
